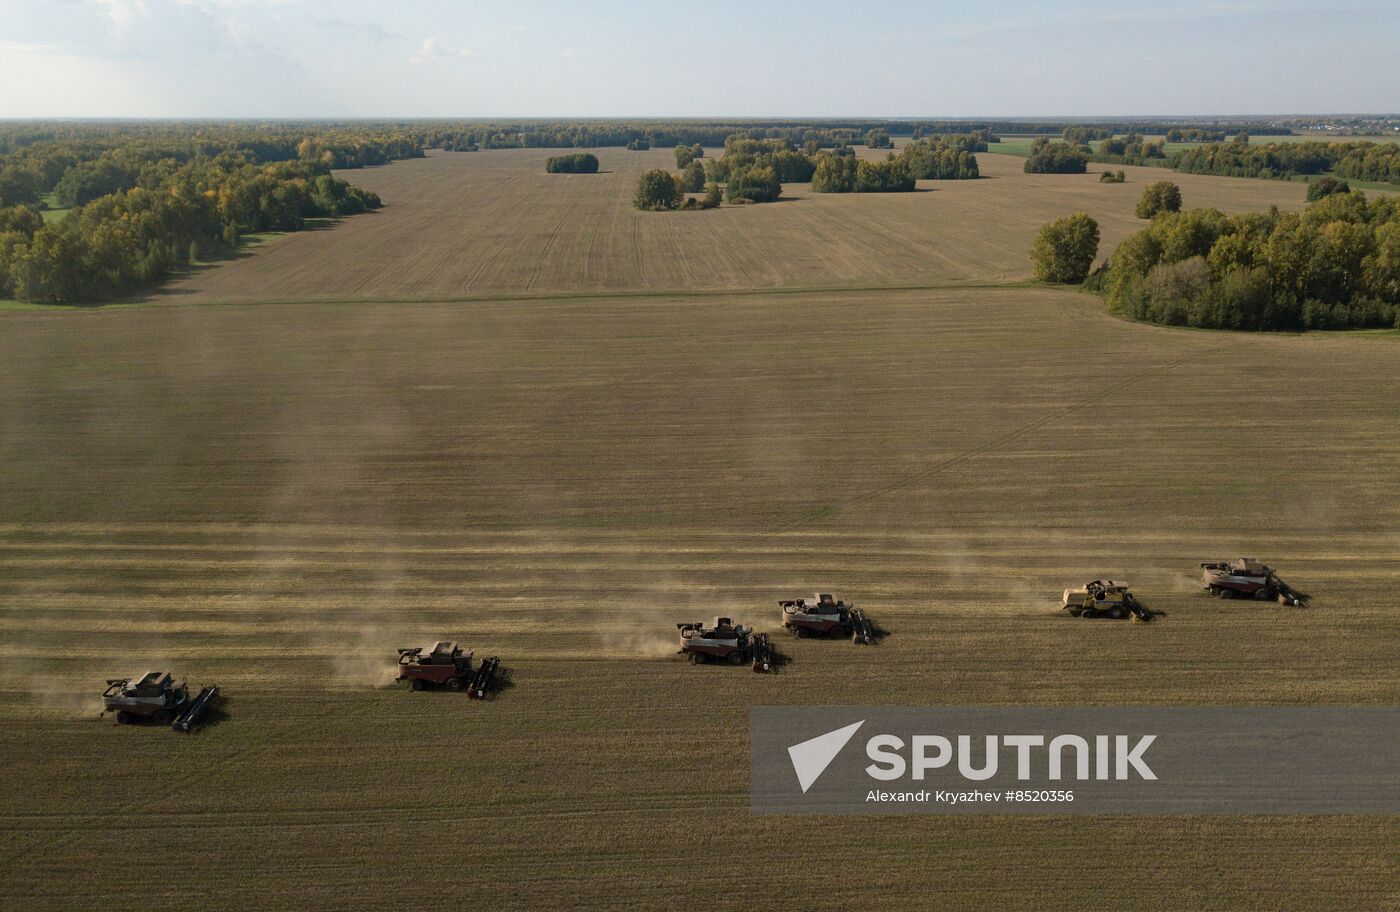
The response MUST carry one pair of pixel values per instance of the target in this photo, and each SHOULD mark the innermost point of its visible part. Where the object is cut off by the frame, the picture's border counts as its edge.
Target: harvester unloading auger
(827, 616)
(725, 641)
(446, 665)
(157, 697)
(1246, 578)
(1105, 598)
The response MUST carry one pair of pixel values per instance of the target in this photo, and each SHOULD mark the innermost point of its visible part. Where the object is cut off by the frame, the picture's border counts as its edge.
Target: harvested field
(273, 498)
(458, 225)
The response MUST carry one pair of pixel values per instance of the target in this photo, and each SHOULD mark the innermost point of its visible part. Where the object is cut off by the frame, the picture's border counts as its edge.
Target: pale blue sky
(369, 58)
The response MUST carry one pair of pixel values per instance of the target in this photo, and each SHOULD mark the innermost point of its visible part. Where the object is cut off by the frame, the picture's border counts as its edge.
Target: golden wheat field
(413, 425)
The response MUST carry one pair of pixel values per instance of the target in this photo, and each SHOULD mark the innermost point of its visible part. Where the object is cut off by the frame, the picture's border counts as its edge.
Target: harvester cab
(1247, 578)
(827, 616)
(446, 665)
(156, 696)
(725, 641)
(1104, 598)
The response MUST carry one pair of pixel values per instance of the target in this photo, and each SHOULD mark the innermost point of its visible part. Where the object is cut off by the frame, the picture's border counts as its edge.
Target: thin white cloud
(434, 49)
(124, 13)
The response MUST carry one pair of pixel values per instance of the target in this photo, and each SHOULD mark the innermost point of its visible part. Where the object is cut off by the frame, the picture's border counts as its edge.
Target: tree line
(175, 213)
(1356, 160)
(1334, 266)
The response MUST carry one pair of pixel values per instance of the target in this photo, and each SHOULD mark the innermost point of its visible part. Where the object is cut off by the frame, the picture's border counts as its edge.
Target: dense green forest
(1334, 266)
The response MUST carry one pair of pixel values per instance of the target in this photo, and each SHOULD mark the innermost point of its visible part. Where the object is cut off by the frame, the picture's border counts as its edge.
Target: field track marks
(994, 445)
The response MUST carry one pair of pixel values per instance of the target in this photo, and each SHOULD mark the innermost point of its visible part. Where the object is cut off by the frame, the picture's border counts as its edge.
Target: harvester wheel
(1089, 613)
(802, 633)
(737, 657)
(697, 658)
(417, 684)
(453, 684)
(1116, 613)
(163, 717)
(842, 631)
(123, 718)
(1227, 593)
(1262, 594)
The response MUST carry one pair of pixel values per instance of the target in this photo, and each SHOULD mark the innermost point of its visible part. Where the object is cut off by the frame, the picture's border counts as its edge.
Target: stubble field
(474, 224)
(272, 496)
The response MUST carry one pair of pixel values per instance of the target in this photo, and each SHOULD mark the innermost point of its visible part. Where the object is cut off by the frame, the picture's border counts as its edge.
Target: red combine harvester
(446, 665)
(826, 616)
(1246, 578)
(156, 697)
(725, 641)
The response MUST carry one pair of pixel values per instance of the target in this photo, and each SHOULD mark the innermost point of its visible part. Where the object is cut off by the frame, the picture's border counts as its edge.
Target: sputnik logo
(810, 758)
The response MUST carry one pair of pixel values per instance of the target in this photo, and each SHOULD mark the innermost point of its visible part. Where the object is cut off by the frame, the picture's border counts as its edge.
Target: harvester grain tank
(1247, 578)
(725, 641)
(825, 615)
(1104, 598)
(157, 697)
(448, 666)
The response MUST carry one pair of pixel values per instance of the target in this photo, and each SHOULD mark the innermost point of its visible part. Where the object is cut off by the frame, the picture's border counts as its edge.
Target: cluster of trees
(639, 145)
(1064, 250)
(741, 153)
(1057, 158)
(878, 139)
(577, 163)
(1163, 196)
(687, 154)
(1131, 149)
(1334, 266)
(1078, 135)
(847, 174)
(944, 156)
(1326, 186)
(1196, 134)
(659, 190)
(123, 241)
(1356, 160)
(1112, 177)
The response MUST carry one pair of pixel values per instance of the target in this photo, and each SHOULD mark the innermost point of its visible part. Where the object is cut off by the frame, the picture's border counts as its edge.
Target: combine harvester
(725, 641)
(826, 616)
(1246, 578)
(1105, 598)
(155, 696)
(445, 665)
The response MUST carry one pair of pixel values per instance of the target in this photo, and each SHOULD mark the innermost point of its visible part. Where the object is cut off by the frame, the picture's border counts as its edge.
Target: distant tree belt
(578, 163)
(175, 213)
(1355, 160)
(1334, 266)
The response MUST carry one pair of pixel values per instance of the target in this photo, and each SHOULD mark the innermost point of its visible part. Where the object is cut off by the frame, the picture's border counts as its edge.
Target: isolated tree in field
(639, 145)
(1065, 249)
(684, 156)
(878, 139)
(657, 190)
(697, 151)
(1112, 177)
(693, 177)
(713, 196)
(1163, 196)
(1326, 186)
